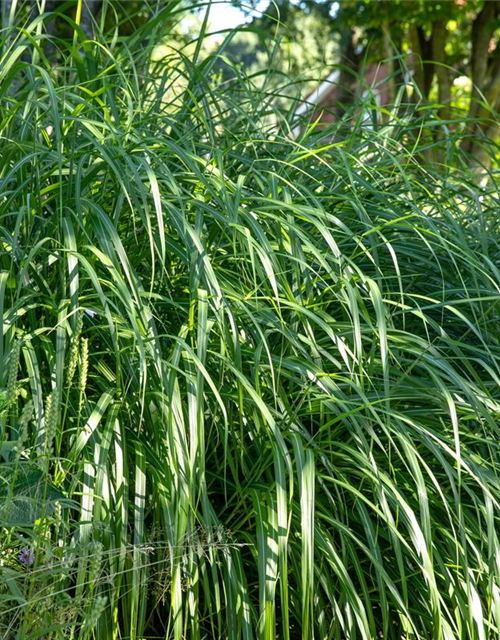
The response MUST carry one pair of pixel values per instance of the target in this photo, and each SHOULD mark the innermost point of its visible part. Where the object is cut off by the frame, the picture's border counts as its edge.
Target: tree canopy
(439, 42)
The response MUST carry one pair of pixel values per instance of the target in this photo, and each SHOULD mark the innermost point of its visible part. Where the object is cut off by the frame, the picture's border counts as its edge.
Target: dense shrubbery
(250, 384)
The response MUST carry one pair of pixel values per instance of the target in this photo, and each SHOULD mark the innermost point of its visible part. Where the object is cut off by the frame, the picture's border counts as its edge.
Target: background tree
(289, 48)
(441, 40)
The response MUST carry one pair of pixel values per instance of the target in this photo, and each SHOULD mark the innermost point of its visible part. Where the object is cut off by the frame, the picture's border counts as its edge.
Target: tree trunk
(485, 75)
(482, 31)
(492, 91)
(438, 40)
(487, 124)
(423, 67)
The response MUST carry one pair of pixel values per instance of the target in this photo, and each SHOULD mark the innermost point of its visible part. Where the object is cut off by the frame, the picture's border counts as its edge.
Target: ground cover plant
(249, 379)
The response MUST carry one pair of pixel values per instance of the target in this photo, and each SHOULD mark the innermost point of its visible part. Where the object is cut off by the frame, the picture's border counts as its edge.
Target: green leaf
(26, 495)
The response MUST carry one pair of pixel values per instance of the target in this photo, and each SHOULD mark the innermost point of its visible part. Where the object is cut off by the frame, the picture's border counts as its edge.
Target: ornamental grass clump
(280, 418)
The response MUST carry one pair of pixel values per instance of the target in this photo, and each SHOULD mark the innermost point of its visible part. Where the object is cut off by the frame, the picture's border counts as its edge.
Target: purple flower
(27, 556)
(90, 313)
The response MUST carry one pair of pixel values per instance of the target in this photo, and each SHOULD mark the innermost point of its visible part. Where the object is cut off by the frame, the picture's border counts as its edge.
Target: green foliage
(25, 495)
(264, 369)
(286, 51)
